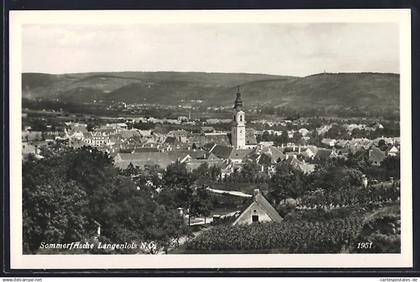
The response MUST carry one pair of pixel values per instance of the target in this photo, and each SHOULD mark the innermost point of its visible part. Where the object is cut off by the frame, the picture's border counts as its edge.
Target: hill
(362, 90)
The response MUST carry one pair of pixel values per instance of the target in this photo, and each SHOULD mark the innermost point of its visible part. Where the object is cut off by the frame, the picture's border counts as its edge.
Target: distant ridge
(363, 90)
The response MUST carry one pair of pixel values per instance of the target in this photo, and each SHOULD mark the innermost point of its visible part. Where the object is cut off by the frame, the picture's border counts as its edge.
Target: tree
(383, 230)
(315, 138)
(333, 176)
(200, 203)
(68, 192)
(53, 213)
(130, 170)
(250, 171)
(265, 160)
(176, 175)
(202, 171)
(392, 165)
(337, 132)
(287, 182)
(381, 143)
(215, 172)
(91, 126)
(179, 186)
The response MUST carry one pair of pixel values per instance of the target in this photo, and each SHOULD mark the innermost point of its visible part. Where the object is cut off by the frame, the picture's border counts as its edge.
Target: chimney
(294, 147)
(299, 149)
(256, 192)
(364, 181)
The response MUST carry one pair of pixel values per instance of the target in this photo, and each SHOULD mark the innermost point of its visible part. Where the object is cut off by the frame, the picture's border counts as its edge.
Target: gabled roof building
(260, 210)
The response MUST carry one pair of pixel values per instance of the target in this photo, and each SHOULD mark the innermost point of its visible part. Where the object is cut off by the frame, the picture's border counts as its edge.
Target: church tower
(238, 126)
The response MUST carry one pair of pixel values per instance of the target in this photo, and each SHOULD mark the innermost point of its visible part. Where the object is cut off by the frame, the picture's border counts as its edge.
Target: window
(255, 218)
(240, 118)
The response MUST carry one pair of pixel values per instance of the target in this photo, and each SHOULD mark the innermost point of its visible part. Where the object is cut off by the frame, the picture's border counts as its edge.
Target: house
(150, 143)
(221, 151)
(387, 184)
(181, 135)
(342, 143)
(303, 132)
(226, 170)
(260, 210)
(250, 138)
(143, 159)
(207, 129)
(29, 148)
(237, 156)
(293, 161)
(75, 130)
(393, 151)
(143, 150)
(342, 153)
(145, 133)
(212, 160)
(274, 153)
(120, 125)
(376, 156)
(127, 134)
(309, 152)
(31, 135)
(329, 142)
(323, 154)
(266, 143)
(323, 129)
(170, 140)
(200, 140)
(100, 137)
(306, 168)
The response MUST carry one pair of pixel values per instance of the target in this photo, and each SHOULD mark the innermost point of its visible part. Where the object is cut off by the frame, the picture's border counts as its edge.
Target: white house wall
(246, 216)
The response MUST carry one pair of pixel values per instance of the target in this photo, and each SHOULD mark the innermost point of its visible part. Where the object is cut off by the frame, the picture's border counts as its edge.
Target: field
(301, 235)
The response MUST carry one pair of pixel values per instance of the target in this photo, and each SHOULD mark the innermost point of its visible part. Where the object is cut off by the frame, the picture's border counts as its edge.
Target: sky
(282, 48)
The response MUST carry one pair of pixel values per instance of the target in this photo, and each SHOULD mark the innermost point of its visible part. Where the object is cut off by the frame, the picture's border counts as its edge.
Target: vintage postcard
(204, 139)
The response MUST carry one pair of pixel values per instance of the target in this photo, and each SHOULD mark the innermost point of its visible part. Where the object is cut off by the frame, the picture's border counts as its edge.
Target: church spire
(238, 100)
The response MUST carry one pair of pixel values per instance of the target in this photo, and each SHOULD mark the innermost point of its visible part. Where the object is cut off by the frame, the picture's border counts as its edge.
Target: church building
(238, 126)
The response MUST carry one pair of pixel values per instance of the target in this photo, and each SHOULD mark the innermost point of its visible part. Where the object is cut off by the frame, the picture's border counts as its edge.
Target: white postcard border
(19, 261)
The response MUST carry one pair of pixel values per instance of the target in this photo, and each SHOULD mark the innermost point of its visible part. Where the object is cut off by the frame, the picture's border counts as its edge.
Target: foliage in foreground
(69, 193)
(329, 236)
(383, 230)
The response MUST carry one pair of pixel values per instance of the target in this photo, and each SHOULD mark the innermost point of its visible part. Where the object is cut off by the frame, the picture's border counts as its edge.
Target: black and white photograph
(226, 135)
